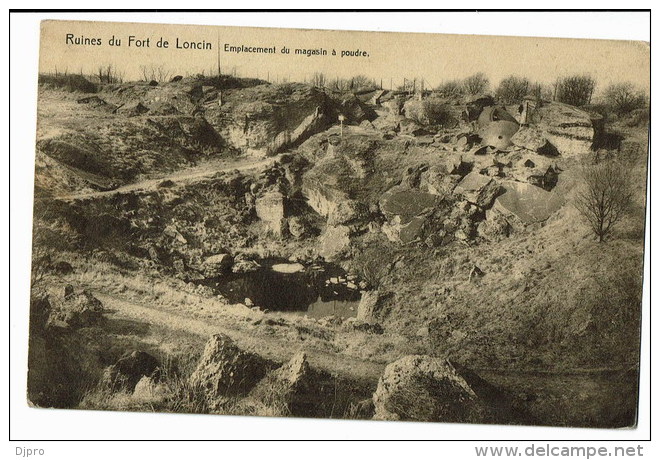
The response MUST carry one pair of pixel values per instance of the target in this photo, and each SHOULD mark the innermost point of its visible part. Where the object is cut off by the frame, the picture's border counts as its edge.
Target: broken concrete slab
(478, 189)
(406, 203)
(398, 232)
(530, 138)
(438, 182)
(526, 203)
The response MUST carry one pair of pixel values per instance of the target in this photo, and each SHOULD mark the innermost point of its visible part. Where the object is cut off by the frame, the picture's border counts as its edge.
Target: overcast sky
(391, 56)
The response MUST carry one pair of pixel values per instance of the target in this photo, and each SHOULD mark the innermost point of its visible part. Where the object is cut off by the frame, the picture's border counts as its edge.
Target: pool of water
(315, 290)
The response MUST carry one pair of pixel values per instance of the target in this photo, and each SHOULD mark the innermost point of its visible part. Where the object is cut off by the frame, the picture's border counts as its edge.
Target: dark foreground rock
(226, 370)
(299, 389)
(75, 310)
(295, 389)
(525, 203)
(424, 388)
(129, 369)
(432, 389)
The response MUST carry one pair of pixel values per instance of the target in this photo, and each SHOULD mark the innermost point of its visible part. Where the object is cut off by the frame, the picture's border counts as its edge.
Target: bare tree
(356, 83)
(476, 84)
(575, 90)
(604, 197)
(109, 74)
(513, 89)
(155, 72)
(319, 79)
(540, 91)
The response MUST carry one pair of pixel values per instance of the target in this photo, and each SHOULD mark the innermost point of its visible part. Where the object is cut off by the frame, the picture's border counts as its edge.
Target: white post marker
(341, 126)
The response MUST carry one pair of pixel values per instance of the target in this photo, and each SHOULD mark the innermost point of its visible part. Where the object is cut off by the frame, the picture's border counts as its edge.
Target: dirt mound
(73, 83)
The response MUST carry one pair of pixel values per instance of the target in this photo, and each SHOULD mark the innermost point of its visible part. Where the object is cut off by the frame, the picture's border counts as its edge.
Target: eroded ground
(321, 255)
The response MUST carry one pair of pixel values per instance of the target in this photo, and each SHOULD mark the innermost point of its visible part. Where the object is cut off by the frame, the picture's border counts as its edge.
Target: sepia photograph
(386, 226)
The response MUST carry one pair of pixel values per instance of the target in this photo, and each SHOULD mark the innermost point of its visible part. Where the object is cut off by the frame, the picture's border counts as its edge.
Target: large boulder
(406, 212)
(149, 390)
(398, 232)
(425, 388)
(411, 128)
(226, 370)
(532, 138)
(526, 203)
(265, 119)
(394, 105)
(528, 168)
(438, 182)
(494, 228)
(270, 208)
(406, 203)
(456, 164)
(348, 105)
(295, 389)
(568, 128)
(348, 211)
(323, 199)
(334, 242)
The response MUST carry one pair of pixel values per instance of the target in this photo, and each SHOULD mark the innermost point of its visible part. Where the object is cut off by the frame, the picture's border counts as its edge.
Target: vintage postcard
(335, 224)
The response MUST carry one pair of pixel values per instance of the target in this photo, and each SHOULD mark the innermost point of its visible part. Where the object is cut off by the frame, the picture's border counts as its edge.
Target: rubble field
(225, 245)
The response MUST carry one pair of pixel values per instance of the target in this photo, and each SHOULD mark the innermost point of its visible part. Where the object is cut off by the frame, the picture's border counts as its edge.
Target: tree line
(576, 90)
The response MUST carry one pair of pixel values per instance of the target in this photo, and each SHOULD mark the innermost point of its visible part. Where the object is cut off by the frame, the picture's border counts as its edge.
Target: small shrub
(540, 92)
(624, 98)
(639, 118)
(430, 112)
(450, 88)
(71, 83)
(437, 112)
